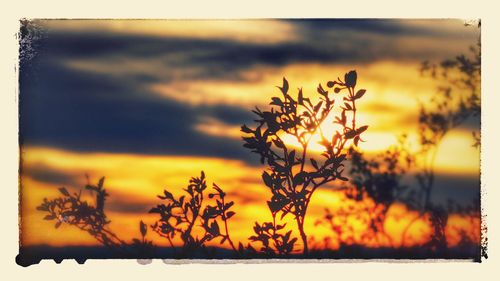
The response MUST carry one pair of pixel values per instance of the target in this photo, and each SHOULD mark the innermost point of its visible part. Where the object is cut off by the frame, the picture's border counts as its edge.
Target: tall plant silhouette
(72, 210)
(179, 216)
(294, 174)
(457, 100)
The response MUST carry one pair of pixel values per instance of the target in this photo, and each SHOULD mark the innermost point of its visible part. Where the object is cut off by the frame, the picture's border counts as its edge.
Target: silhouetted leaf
(361, 129)
(300, 99)
(42, 208)
(318, 106)
(276, 101)
(245, 129)
(321, 91)
(284, 89)
(350, 78)
(214, 228)
(359, 94)
(275, 206)
(267, 179)
(299, 178)
(49, 217)
(143, 227)
(229, 214)
(342, 178)
(64, 191)
(314, 163)
(228, 205)
(350, 134)
(101, 183)
(279, 143)
(291, 156)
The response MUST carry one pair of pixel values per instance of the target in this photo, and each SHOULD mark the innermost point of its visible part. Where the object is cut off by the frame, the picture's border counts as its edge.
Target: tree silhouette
(291, 182)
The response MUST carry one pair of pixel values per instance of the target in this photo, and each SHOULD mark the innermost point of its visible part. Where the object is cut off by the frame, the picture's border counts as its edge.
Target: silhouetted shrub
(457, 100)
(290, 181)
(273, 242)
(179, 216)
(72, 210)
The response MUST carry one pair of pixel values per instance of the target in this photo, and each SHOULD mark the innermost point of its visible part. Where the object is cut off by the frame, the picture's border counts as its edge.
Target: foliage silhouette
(72, 210)
(457, 100)
(291, 183)
(268, 232)
(378, 178)
(179, 216)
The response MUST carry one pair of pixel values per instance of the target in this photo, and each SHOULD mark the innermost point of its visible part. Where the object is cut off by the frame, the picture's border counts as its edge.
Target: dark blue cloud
(48, 175)
(86, 111)
(386, 27)
(461, 189)
(318, 41)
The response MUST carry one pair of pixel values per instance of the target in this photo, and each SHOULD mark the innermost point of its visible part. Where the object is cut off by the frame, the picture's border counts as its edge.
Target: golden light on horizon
(137, 179)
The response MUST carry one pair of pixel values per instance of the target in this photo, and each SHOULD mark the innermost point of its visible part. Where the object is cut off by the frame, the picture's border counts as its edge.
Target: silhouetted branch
(291, 185)
(178, 216)
(72, 210)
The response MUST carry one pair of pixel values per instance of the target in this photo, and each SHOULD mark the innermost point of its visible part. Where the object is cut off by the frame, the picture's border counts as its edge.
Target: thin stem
(276, 242)
(430, 174)
(403, 236)
(114, 236)
(168, 238)
(353, 109)
(224, 218)
(304, 152)
(300, 224)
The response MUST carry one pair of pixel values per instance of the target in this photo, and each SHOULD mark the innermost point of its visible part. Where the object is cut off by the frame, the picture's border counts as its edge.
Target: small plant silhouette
(291, 183)
(179, 216)
(282, 244)
(72, 210)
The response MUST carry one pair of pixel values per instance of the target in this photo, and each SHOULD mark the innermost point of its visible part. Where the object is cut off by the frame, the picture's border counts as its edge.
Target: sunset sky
(149, 104)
